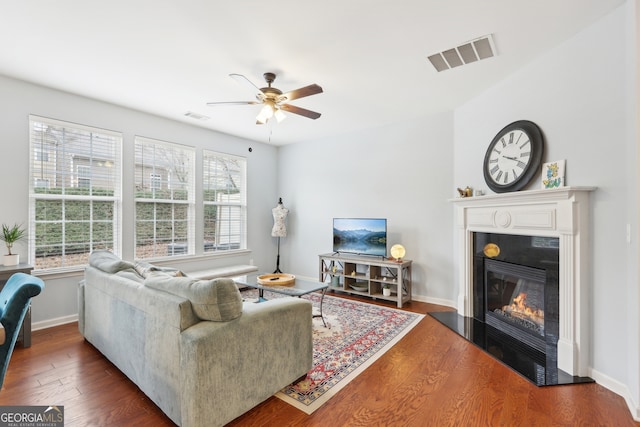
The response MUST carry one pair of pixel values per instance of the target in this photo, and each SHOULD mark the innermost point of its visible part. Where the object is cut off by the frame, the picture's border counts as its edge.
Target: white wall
(582, 95)
(19, 99)
(400, 172)
(632, 66)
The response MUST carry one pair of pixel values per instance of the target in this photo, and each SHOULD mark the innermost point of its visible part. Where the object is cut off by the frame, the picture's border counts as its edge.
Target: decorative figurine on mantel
(465, 192)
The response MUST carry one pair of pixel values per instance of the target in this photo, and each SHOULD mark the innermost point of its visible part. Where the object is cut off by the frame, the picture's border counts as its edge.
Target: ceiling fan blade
(255, 90)
(300, 93)
(300, 111)
(212, 104)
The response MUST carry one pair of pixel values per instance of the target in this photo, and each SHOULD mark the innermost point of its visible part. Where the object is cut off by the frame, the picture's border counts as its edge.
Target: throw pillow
(108, 262)
(218, 300)
(144, 269)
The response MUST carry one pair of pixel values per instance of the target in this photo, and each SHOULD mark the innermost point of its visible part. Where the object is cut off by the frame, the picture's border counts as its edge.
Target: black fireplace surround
(507, 266)
(527, 260)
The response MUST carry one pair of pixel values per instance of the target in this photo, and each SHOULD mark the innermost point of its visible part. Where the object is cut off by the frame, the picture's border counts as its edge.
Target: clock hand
(510, 158)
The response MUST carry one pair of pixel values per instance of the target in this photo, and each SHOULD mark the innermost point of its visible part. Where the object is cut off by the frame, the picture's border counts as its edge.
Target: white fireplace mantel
(562, 213)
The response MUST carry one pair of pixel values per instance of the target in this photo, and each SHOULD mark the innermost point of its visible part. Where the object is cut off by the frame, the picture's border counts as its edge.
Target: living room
(581, 92)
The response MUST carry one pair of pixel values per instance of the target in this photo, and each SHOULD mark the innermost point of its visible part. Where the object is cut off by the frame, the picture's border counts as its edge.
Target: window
(225, 202)
(156, 181)
(68, 220)
(164, 207)
(84, 176)
(41, 156)
(41, 183)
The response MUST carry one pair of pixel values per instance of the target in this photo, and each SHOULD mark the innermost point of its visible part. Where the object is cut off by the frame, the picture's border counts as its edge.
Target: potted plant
(386, 290)
(335, 279)
(9, 236)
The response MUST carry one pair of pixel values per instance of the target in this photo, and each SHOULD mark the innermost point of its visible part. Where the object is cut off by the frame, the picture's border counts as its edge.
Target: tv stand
(367, 276)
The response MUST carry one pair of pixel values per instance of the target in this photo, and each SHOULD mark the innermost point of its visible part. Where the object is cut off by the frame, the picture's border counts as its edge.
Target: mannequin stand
(278, 259)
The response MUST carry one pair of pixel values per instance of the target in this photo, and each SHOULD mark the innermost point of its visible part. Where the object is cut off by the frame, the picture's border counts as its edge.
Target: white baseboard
(618, 388)
(431, 300)
(50, 323)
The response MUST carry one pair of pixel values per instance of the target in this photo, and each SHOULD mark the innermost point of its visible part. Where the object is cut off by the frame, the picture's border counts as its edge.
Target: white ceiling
(168, 57)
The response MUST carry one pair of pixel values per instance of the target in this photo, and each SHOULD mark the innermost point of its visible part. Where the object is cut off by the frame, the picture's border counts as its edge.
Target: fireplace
(516, 287)
(517, 242)
(515, 303)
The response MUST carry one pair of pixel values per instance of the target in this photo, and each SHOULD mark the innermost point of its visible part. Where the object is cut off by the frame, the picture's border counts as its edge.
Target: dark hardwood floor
(432, 377)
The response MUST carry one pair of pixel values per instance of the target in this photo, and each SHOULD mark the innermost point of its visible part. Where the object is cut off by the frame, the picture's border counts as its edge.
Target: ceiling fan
(273, 100)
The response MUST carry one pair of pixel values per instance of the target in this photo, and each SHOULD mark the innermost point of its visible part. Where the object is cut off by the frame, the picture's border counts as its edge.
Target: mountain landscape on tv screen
(360, 241)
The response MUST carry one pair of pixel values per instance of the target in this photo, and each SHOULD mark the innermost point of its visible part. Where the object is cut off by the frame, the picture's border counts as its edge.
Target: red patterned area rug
(357, 335)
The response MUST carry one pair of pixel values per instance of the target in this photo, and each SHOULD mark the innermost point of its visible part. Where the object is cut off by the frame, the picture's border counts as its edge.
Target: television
(362, 236)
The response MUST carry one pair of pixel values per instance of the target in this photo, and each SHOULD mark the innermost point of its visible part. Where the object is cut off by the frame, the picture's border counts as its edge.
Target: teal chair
(14, 303)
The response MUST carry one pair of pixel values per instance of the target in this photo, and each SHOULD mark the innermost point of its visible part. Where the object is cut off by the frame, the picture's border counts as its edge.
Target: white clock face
(509, 157)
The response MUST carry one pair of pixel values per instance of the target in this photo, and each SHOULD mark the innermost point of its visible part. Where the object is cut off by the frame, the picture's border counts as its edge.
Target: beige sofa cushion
(218, 300)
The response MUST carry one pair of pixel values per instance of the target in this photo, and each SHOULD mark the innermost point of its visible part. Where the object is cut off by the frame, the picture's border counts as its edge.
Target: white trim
(618, 388)
(65, 123)
(436, 301)
(195, 258)
(108, 146)
(141, 144)
(50, 323)
(561, 212)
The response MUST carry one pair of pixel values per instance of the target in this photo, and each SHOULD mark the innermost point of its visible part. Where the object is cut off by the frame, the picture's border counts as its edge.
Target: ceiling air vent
(196, 116)
(466, 53)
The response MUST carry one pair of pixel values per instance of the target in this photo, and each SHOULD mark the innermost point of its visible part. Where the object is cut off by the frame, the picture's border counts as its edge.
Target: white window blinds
(164, 197)
(225, 202)
(74, 192)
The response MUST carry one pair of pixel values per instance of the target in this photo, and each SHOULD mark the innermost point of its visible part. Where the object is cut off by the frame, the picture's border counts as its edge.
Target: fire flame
(520, 308)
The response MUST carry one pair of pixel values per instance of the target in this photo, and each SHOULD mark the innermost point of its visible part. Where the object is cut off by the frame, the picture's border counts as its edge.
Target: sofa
(200, 353)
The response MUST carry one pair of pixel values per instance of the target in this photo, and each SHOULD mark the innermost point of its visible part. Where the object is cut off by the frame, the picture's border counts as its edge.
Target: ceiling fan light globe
(279, 115)
(267, 111)
(262, 118)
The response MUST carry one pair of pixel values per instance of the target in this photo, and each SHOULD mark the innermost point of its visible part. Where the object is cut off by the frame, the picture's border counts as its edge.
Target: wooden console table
(367, 276)
(7, 271)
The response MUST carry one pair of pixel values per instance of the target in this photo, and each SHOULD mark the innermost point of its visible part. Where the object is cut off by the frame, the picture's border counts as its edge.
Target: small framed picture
(553, 174)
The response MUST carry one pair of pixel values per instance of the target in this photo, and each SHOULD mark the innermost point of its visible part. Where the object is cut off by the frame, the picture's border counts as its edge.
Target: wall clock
(513, 157)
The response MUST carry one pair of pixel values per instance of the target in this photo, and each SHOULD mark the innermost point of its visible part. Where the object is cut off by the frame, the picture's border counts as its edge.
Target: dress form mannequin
(279, 216)
(279, 227)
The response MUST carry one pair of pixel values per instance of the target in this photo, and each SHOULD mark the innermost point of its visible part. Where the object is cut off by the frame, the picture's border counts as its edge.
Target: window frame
(174, 248)
(219, 247)
(68, 197)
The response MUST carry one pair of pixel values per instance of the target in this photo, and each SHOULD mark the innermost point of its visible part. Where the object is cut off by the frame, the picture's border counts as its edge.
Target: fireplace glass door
(515, 301)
